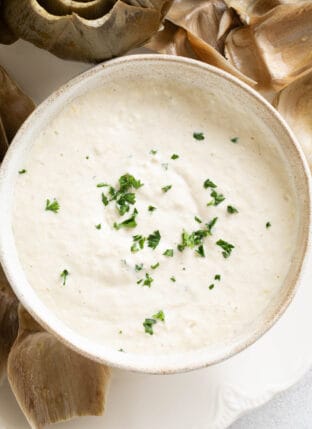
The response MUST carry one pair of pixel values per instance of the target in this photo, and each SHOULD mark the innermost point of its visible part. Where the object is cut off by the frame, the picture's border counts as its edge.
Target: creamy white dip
(115, 130)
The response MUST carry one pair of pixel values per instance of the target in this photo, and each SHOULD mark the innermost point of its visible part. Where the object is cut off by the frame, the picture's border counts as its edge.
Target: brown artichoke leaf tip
(295, 104)
(8, 321)
(51, 382)
(275, 48)
(85, 31)
(15, 107)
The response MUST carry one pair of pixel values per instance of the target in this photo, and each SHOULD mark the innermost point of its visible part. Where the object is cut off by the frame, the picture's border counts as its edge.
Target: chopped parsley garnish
(153, 267)
(227, 247)
(209, 184)
(120, 332)
(127, 181)
(216, 199)
(159, 316)
(174, 156)
(268, 225)
(211, 286)
(147, 281)
(98, 226)
(52, 206)
(166, 188)
(128, 223)
(104, 199)
(121, 350)
(64, 275)
(168, 252)
(138, 267)
(101, 185)
(148, 325)
(165, 165)
(231, 209)
(200, 251)
(153, 152)
(234, 139)
(173, 279)
(198, 220)
(198, 136)
(138, 243)
(151, 208)
(153, 239)
(22, 171)
(211, 224)
(217, 277)
(87, 157)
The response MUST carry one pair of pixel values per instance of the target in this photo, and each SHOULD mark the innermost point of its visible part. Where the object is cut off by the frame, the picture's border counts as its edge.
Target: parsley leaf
(148, 326)
(153, 267)
(174, 156)
(211, 224)
(128, 223)
(153, 239)
(211, 286)
(198, 136)
(173, 279)
(234, 139)
(52, 206)
(217, 277)
(231, 209)
(138, 267)
(138, 243)
(151, 208)
(98, 226)
(168, 252)
(268, 225)
(148, 280)
(159, 316)
(198, 220)
(22, 171)
(166, 188)
(200, 251)
(153, 152)
(101, 185)
(227, 247)
(104, 199)
(216, 199)
(209, 184)
(64, 275)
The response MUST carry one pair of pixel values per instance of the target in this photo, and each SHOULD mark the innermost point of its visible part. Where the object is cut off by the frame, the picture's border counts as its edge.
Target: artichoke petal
(87, 31)
(295, 104)
(15, 107)
(8, 321)
(51, 382)
(275, 48)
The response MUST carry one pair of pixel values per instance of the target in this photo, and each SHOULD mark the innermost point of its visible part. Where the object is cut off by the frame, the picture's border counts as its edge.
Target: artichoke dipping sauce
(155, 218)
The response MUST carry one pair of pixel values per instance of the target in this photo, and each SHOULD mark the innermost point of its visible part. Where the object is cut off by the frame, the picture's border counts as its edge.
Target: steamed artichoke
(85, 30)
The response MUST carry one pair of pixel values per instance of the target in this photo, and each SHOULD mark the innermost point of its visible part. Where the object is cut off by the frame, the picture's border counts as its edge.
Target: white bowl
(163, 67)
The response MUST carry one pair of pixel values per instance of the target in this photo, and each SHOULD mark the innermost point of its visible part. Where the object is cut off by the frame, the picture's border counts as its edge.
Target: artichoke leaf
(86, 31)
(15, 107)
(276, 48)
(295, 104)
(8, 321)
(52, 383)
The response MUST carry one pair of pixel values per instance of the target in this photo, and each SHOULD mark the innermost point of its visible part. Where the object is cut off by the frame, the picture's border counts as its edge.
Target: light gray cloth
(288, 410)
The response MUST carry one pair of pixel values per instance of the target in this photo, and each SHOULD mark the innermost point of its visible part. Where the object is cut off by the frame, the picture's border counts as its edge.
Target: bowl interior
(236, 96)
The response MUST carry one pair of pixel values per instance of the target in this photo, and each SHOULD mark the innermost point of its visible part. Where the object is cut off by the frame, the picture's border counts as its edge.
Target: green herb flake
(211, 286)
(227, 247)
(87, 157)
(174, 156)
(138, 267)
(148, 326)
(198, 220)
(147, 281)
(128, 223)
(268, 225)
(98, 226)
(216, 199)
(104, 199)
(22, 171)
(52, 206)
(101, 185)
(151, 208)
(198, 136)
(169, 253)
(231, 209)
(211, 224)
(153, 239)
(139, 281)
(64, 275)
(153, 267)
(234, 139)
(121, 350)
(153, 152)
(209, 184)
(159, 316)
(200, 251)
(217, 277)
(138, 243)
(166, 188)
(173, 279)
(120, 332)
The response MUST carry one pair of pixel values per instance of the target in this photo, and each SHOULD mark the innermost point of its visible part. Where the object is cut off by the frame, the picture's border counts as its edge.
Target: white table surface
(288, 410)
